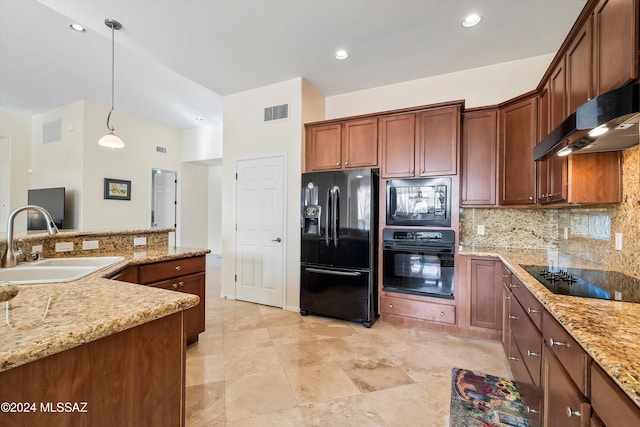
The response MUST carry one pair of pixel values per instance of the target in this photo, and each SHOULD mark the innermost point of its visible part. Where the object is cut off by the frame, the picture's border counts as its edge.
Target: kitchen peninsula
(97, 351)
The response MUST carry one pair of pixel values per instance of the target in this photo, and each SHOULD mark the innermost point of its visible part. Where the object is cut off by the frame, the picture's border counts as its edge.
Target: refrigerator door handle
(335, 200)
(327, 235)
(334, 272)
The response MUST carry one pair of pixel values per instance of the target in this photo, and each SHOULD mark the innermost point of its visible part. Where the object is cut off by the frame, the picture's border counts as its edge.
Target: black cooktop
(587, 283)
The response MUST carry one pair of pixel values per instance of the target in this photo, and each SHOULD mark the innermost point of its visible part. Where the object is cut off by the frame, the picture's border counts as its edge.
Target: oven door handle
(334, 272)
(418, 248)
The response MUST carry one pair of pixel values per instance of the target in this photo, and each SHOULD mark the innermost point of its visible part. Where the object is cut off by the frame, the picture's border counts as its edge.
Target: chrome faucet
(10, 257)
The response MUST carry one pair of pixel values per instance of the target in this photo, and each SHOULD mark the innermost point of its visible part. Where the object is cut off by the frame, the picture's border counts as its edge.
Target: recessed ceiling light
(341, 55)
(471, 20)
(77, 27)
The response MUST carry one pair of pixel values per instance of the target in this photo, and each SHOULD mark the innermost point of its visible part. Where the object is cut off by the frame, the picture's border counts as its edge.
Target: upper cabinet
(352, 144)
(397, 143)
(578, 64)
(479, 156)
(615, 24)
(517, 137)
(419, 144)
(437, 141)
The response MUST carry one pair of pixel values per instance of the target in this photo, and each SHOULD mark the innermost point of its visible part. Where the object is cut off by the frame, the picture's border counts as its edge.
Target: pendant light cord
(113, 58)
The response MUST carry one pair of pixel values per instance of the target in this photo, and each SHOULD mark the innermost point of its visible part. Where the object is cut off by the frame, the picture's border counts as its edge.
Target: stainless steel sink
(56, 270)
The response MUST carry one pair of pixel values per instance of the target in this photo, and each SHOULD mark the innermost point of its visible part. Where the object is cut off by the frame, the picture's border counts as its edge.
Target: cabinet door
(517, 139)
(557, 92)
(506, 309)
(603, 168)
(323, 147)
(194, 318)
(486, 294)
(360, 145)
(397, 142)
(579, 64)
(564, 405)
(613, 406)
(616, 43)
(437, 139)
(479, 157)
(542, 167)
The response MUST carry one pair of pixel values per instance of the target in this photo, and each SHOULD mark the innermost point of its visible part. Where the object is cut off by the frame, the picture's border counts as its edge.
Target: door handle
(335, 200)
(277, 240)
(327, 232)
(334, 272)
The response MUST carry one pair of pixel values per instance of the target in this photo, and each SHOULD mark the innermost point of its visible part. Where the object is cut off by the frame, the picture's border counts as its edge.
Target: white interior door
(260, 244)
(164, 201)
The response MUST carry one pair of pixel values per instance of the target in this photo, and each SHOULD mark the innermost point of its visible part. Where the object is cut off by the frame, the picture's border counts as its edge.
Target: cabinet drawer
(159, 271)
(529, 392)
(528, 340)
(572, 357)
(531, 305)
(433, 312)
(610, 403)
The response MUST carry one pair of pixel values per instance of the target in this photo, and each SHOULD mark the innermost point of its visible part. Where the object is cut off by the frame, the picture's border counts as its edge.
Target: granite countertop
(44, 319)
(609, 331)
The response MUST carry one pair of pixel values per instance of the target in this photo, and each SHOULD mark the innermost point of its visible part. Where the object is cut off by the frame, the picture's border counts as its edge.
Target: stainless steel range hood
(608, 122)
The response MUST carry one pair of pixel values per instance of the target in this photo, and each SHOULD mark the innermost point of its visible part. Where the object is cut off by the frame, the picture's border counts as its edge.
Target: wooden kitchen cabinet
(397, 144)
(323, 147)
(425, 143)
(405, 308)
(507, 295)
(579, 68)
(438, 141)
(517, 137)
(360, 143)
(615, 24)
(485, 299)
(341, 145)
(564, 404)
(479, 158)
(182, 275)
(613, 407)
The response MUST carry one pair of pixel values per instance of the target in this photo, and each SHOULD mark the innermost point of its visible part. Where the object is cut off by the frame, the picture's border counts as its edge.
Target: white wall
(59, 163)
(214, 220)
(247, 136)
(15, 131)
(193, 212)
(202, 143)
(482, 86)
(134, 162)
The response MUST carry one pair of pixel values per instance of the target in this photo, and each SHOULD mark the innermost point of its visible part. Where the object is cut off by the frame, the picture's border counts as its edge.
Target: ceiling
(176, 59)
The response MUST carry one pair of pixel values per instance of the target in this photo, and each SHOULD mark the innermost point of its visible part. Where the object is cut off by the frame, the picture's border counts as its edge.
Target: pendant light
(111, 140)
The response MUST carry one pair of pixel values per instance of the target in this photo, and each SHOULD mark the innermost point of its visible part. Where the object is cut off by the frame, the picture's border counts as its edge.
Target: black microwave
(419, 201)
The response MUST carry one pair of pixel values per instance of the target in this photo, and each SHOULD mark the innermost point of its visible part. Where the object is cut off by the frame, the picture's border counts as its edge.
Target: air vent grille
(277, 112)
(160, 149)
(52, 131)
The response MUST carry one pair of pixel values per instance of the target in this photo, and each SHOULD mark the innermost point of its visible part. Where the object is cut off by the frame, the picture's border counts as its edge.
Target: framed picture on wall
(117, 189)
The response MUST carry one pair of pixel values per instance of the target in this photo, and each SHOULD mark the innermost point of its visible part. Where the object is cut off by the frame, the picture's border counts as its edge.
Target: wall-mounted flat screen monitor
(51, 199)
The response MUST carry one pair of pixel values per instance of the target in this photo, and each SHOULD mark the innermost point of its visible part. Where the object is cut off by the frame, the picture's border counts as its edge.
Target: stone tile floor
(263, 366)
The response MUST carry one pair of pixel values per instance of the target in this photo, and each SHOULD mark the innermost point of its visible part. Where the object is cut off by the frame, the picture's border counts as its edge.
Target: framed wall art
(117, 189)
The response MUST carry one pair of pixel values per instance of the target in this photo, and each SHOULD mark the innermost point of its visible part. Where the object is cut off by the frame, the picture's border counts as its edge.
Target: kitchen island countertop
(607, 330)
(44, 319)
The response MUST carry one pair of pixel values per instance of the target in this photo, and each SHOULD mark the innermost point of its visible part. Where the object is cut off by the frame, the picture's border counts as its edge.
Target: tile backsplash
(587, 232)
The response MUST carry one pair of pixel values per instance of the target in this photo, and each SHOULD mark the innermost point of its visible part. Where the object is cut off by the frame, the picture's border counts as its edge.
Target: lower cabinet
(182, 275)
(611, 407)
(486, 294)
(418, 310)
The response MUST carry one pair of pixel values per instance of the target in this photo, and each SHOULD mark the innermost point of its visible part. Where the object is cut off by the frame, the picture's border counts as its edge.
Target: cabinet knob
(571, 412)
(178, 268)
(532, 354)
(506, 275)
(411, 171)
(514, 317)
(531, 410)
(507, 298)
(338, 164)
(553, 342)
(513, 358)
(181, 284)
(531, 198)
(532, 310)
(174, 286)
(512, 285)
(390, 305)
(442, 314)
(346, 163)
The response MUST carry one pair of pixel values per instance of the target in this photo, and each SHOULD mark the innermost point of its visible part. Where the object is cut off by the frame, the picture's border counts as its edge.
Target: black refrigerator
(339, 249)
